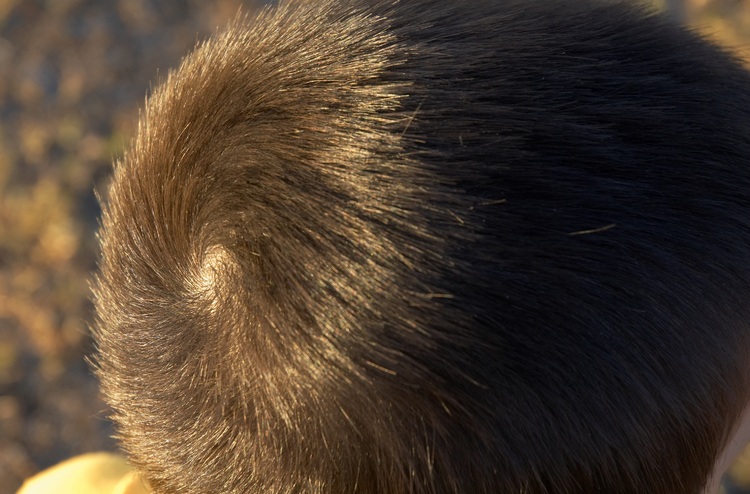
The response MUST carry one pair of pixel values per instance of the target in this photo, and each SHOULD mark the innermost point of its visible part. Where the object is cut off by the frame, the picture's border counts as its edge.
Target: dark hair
(432, 246)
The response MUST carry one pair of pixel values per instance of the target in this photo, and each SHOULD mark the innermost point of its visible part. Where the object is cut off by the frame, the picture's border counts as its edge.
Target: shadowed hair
(428, 246)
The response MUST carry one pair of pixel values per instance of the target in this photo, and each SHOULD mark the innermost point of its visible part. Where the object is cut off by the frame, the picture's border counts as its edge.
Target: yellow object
(93, 473)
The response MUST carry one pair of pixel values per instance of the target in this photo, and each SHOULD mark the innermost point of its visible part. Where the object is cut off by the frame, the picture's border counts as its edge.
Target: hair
(432, 247)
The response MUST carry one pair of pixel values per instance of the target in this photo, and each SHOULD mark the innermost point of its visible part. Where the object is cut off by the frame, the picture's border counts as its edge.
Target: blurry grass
(75, 73)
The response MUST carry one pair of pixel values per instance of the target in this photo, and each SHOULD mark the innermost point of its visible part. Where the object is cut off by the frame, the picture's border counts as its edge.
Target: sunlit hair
(431, 246)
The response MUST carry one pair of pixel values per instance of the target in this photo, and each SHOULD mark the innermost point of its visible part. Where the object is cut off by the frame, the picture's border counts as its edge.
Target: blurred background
(74, 73)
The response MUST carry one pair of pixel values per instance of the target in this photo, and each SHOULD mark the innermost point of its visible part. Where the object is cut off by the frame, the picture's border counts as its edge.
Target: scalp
(417, 246)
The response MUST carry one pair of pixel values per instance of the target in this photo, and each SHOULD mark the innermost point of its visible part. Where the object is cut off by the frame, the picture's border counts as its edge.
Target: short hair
(429, 247)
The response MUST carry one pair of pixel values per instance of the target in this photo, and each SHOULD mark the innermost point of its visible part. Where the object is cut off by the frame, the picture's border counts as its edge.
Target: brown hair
(428, 247)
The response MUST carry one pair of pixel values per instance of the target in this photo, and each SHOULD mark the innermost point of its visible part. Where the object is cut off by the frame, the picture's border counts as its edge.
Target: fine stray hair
(429, 246)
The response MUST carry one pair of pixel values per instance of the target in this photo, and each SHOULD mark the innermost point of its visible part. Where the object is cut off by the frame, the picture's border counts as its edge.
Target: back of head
(428, 247)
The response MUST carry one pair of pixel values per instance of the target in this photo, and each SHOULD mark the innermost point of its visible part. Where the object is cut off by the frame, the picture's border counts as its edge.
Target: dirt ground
(74, 75)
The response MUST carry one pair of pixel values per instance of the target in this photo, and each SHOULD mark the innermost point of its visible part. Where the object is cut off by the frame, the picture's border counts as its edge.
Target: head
(432, 247)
